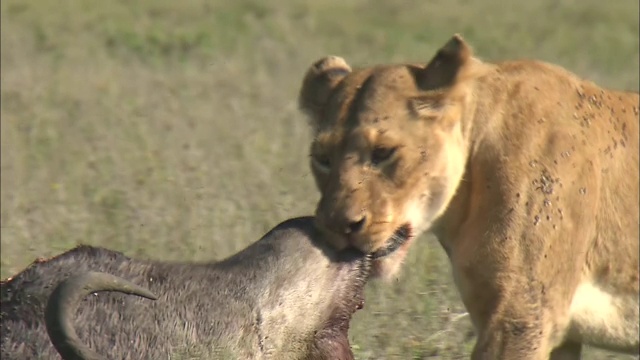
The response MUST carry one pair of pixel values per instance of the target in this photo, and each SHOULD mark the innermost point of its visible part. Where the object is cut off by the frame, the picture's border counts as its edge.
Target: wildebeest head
(301, 294)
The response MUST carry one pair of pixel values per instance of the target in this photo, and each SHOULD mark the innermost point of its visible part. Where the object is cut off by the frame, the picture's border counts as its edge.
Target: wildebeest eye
(381, 154)
(322, 161)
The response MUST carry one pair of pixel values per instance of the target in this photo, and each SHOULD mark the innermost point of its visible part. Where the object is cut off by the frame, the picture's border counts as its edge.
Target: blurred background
(169, 129)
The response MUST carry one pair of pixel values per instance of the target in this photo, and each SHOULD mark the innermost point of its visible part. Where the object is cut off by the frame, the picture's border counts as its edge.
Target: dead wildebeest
(286, 296)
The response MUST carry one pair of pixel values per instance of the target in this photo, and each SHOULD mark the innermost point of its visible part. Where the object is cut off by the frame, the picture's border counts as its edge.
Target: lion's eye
(322, 160)
(381, 154)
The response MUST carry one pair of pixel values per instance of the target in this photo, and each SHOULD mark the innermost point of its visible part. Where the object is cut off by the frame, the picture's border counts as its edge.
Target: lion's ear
(443, 70)
(319, 81)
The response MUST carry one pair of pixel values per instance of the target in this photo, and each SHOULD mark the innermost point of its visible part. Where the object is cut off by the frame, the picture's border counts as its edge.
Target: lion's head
(389, 148)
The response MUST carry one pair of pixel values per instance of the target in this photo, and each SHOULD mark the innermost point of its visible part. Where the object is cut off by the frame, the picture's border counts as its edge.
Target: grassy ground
(169, 129)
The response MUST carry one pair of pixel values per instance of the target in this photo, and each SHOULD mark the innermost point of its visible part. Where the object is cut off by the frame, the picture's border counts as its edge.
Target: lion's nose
(354, 227)
(342, 220)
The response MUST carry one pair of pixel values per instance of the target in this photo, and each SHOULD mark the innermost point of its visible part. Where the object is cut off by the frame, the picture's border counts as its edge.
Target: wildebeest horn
(63, 302)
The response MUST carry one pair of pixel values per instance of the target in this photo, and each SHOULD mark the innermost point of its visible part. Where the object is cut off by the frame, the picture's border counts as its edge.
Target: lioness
(527, 174)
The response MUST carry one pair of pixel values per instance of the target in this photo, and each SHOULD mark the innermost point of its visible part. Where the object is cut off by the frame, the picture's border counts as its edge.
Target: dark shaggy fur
(286, 296)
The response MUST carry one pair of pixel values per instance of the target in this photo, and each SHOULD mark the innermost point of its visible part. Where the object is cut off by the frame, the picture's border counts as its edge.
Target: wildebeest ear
(319, 81)
(443, 69)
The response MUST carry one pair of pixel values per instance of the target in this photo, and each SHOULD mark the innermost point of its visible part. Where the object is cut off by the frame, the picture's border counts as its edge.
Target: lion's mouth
(399, 237)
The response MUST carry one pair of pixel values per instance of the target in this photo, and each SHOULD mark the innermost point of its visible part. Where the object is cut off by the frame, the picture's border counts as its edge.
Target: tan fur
(527, 174)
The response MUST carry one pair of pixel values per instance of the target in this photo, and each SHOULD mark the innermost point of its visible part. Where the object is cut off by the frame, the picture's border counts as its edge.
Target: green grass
(169, 129)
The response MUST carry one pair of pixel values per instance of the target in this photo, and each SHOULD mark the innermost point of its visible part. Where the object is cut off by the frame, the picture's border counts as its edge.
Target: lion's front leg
(513, 333)
(567, 351)
(517, 312)
(519, 309)
(509, 309)
(517, 340)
